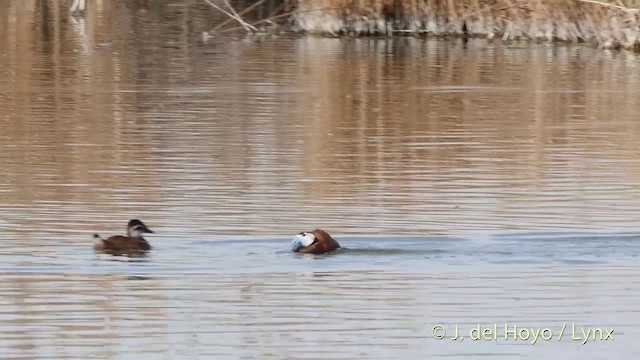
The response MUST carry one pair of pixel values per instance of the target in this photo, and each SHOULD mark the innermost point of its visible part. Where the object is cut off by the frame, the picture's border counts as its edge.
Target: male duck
(314, 242)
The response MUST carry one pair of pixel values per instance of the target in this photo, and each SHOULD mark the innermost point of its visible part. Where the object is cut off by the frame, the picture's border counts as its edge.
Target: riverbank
(601, 24)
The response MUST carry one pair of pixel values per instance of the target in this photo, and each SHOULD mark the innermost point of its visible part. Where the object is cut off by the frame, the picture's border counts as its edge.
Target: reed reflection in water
(226, 148)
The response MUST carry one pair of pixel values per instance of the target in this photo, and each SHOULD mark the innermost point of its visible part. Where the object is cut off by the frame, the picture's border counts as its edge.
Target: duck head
(136, 228)
(314, 242)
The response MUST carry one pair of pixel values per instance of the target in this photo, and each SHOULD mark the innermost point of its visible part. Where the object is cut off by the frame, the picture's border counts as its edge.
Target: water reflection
(126, 113)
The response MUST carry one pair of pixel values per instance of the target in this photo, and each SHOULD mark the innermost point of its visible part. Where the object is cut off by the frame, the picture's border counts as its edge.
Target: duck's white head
(303, 239)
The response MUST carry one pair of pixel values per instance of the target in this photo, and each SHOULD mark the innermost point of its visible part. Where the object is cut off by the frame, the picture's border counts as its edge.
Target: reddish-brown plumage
(124, 243)
(324, 243)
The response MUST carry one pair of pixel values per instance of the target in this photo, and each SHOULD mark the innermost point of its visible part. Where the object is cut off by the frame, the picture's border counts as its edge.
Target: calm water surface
(471, 183)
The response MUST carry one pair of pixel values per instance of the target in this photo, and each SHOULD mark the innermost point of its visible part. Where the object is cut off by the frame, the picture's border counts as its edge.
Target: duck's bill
(296, 243)
(147, 230)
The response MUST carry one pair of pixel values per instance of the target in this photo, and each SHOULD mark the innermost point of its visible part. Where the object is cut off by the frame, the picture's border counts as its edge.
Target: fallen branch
(245, 25)
(258, 3)
(238, 16)
(282, 16)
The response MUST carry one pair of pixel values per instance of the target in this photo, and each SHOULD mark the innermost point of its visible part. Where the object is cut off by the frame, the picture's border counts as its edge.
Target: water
(470, 183)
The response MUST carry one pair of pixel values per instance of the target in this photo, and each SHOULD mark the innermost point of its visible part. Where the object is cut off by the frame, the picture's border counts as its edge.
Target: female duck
(132, 244)
(315, 242)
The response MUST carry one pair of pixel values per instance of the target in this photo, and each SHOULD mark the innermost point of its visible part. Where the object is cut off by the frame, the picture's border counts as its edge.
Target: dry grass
(613, 24)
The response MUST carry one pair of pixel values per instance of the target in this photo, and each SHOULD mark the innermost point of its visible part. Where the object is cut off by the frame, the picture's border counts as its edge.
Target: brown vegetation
(609, 25)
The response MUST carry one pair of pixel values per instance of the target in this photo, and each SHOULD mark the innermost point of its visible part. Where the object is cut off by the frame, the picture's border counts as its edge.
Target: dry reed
(608, 25)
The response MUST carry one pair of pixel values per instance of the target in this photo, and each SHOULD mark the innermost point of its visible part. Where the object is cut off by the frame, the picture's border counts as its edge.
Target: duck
(314, 242)
(133, 244)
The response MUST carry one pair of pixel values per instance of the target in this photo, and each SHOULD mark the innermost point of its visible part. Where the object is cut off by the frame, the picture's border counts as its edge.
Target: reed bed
(607, 25)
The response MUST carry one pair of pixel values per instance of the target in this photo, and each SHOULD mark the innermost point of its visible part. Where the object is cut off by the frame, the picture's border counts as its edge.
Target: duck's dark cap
(135, 222)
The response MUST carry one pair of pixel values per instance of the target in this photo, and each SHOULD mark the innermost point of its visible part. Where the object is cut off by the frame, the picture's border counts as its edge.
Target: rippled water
(470, 182)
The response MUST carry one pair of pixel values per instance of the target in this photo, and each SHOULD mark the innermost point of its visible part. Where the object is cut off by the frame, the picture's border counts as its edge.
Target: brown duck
(314, 242)
(131, 245)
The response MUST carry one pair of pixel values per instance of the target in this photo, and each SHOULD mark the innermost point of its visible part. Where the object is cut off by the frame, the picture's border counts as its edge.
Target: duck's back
(123, 243)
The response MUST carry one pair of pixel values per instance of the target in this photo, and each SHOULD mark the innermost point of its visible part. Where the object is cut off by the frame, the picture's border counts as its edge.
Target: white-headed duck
(314, 242)
(132, 244)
